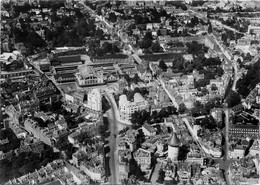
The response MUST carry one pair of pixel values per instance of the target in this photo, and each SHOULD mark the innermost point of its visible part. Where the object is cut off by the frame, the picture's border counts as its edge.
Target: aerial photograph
(130, 92)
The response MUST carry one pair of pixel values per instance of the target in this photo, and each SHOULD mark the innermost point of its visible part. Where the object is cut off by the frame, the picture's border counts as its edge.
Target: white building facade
(94, 100)
(126, 108)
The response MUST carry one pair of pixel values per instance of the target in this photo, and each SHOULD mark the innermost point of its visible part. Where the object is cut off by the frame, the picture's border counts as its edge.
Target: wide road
(227, 161)
(113, 104)
(113, 161)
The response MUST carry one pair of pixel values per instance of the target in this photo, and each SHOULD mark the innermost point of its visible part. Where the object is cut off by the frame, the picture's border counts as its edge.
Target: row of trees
(25, 163)
(133, 80)
(208, 123)
(130, 94)
(29, 38)
(14, 142)
(200, 109)
(139, 118)
(249, 80)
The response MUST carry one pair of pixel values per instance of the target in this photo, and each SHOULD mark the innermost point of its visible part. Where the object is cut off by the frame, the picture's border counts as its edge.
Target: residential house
(127, 108)
(94, 100)
(148, 130)
(143, 158)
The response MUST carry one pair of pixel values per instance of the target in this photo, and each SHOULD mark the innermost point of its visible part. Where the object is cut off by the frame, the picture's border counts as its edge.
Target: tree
(156, 47)
(183, 151)
(210, 27)
(208, 122)
(204, 91)
(148, 36)
(161, 177)
(162, 65)
(182, 108)
(214, 87)
(146, 43)
(249, 81)
(107, 47)
(233, 99)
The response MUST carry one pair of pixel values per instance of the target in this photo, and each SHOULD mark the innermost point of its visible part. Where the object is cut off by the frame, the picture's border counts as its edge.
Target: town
(130, 92)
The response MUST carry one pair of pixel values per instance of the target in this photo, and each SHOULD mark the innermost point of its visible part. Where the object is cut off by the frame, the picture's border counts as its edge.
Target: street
(175, 104)
(227, 161)
(113, 161)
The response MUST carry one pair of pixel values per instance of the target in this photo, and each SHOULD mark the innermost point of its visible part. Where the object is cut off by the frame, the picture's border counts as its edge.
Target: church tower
(173, 147)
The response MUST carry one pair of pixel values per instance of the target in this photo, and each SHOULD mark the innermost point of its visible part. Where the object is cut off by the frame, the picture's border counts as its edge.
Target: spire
(174, 140)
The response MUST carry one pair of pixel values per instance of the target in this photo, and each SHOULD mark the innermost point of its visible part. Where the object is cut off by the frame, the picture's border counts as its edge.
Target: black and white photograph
(130, 92)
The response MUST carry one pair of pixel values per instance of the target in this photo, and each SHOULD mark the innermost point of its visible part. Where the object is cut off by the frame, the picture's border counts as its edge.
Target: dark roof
(114, 56)
(56, 182)
(237, 107)
(66, 75)
(70, 58)
(174, 140)
(148, 127)
(163, 56)
(242, 126)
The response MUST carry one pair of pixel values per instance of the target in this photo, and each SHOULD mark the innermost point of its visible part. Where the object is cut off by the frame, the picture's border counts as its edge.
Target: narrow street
(175, 104)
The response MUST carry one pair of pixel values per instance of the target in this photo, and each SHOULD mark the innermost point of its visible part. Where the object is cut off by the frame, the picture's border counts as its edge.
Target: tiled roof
(70, 58)
(148, 127)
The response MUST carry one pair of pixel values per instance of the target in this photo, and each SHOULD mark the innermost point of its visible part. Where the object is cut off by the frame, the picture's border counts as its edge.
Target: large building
(173, 147)
(48, 134)
(115, 59)
(16, 74)
(127, 108)
(243, 131)
(87, 76)
(94, 100)
(28, 106)
(143, 158)
(123, 165)
(254, 29)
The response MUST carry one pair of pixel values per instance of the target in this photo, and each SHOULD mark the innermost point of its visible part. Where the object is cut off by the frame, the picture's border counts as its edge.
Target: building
(35, 146)
(148, 130)
(216, 114)
(15, 74)
(173, 147)
(123, 163)
(115, 59)
(238, 152)
(78, 157)
(88, 77)
(143, 158)
(243, 131)
(67, 60)
(184, 172)
(127, 108)
(64, 78)
(94, 168)
(49, 135)
(238, 108)
(46, 92)
(128, 140)
(254, 29)
(28, 106)
(123, 171)
(94, 101)
(73, 137)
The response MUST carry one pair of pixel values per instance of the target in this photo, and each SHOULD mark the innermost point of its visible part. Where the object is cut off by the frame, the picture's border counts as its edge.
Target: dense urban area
(132, 92)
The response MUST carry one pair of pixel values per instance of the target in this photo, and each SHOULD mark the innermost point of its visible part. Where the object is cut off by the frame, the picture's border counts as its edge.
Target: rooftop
(174, 140)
